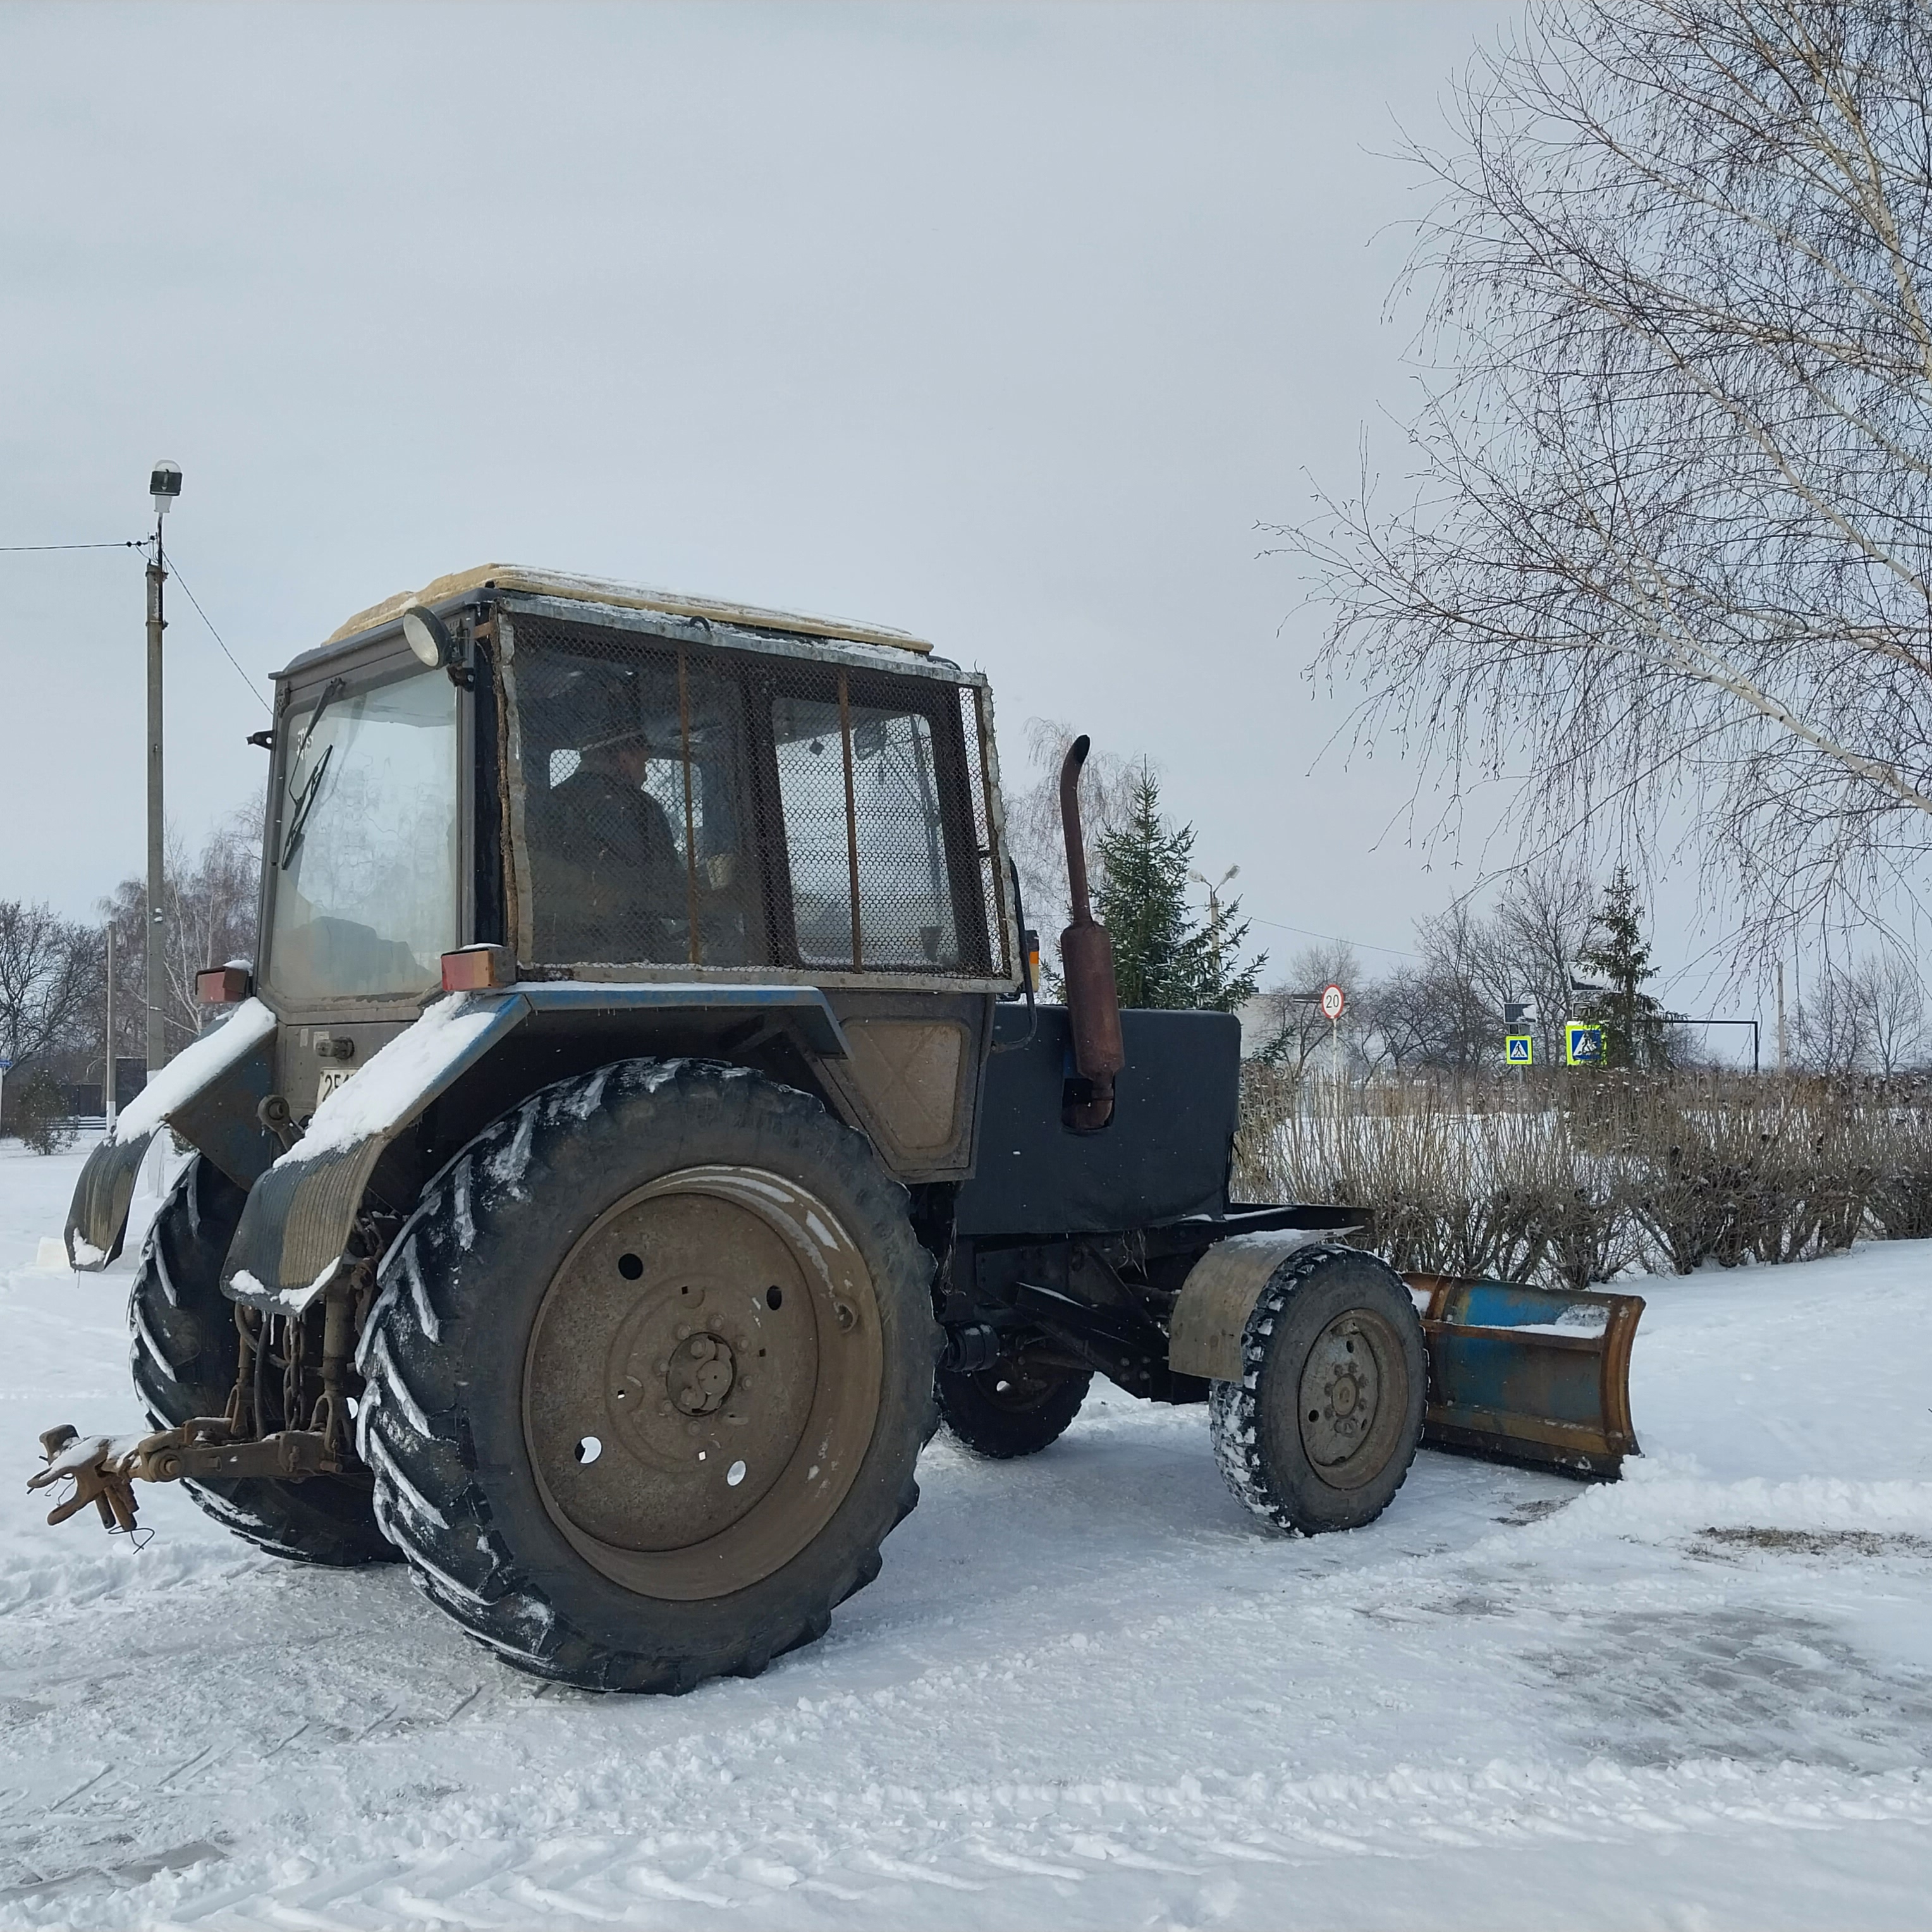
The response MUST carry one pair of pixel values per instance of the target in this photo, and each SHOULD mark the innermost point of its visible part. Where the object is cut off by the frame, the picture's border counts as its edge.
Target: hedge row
(1662, 1175)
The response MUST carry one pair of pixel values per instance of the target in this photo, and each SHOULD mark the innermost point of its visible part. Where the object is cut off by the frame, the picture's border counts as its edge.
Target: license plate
(332, 1077)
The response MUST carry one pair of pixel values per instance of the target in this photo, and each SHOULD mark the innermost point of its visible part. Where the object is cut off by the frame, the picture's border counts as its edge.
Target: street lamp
(164, 486)
(1214, 910)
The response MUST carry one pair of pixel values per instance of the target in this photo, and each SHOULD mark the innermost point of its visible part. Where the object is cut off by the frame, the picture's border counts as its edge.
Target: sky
(1012, 327)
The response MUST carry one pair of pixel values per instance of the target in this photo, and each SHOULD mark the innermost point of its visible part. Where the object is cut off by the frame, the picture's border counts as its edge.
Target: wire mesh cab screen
(703, 805)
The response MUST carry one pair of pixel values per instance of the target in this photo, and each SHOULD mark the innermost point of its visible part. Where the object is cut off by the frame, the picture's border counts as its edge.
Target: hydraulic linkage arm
(219, 1448)
(105, 1469)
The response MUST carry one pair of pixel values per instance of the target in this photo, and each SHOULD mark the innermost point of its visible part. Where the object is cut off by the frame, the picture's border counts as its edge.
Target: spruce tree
(1632, 1021)
(1162, 957)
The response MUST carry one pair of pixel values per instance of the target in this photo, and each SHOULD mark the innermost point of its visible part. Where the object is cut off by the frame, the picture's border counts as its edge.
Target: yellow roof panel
(625, 596)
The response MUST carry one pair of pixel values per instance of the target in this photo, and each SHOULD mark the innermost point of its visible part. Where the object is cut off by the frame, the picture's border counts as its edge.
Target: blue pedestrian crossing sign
(1583, 1044)
(1520, 1049)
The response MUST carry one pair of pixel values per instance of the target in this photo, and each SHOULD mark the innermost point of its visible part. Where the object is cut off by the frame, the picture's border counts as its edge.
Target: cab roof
(624, 596)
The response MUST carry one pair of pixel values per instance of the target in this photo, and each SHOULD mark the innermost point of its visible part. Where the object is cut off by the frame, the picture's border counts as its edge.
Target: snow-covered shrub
(1454, 1189)
(1590, 1235)
(1693, 1178)
(1837, 1169)
(1575, 1179)
(1901, 1190)
(1731, 1173)
(41, 1115)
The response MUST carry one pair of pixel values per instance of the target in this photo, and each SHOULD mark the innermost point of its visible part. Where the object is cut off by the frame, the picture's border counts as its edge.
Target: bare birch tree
(1668, 542)
(1541, 925)
(208, 917)
(1867, 1016)
(1286, 1020)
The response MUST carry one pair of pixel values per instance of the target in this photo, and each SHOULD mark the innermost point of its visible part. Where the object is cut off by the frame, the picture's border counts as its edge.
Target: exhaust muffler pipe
(1086, 960)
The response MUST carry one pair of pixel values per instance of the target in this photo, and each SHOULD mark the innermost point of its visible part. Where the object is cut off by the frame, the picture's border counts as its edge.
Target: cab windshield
(362, 856)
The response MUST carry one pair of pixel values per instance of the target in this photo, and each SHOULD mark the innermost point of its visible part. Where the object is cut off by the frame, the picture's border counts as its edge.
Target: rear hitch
(93, 1464)
(105, 1469)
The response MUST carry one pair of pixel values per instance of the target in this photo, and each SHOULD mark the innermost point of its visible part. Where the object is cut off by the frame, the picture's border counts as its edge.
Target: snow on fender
(299, 1216)
(97, 1217)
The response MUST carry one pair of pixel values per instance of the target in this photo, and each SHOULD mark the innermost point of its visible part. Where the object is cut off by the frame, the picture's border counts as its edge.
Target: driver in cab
(612, 884)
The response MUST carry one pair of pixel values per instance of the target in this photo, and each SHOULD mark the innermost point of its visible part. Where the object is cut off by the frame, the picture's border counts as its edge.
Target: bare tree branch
(1670, 511)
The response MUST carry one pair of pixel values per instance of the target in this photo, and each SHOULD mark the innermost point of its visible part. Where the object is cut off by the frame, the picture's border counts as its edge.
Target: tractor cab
(612, 786)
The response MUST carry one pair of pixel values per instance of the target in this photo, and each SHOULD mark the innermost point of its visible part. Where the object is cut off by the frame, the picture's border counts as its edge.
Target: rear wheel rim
(702, 1381)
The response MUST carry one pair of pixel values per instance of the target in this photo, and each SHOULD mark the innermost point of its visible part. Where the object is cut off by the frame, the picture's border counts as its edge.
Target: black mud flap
(96, 1218)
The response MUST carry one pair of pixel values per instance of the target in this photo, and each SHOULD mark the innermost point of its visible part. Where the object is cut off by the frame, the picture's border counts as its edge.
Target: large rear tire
(648, 1376)
(1319, 1433)
(186, 1350)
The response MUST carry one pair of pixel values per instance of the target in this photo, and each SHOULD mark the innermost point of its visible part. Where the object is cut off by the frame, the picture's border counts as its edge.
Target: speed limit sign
(1331, 1001)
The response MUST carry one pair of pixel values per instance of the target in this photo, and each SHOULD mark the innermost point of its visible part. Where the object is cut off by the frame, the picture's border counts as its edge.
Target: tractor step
(1539, 1376)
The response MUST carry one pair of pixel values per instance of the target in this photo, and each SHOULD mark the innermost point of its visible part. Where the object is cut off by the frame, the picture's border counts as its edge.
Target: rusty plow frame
(1527, 1375)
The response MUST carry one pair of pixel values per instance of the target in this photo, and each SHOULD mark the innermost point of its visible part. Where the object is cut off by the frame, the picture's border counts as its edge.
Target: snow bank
(1657, 1498)
(1086, 1689)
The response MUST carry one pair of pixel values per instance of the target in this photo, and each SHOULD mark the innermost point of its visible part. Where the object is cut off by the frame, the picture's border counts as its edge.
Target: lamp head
(428, 636)
(164, 486)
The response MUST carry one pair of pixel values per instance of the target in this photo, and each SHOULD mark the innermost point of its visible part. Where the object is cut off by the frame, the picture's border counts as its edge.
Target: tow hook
(105, 1469)
(97, 1477)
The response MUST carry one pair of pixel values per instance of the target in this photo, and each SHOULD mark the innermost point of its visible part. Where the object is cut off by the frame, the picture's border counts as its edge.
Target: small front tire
(1319, 1433)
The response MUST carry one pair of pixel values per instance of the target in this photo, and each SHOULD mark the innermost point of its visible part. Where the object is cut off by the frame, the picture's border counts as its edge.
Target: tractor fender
(209, 1094)
(1210, 1314)
(300, 1216)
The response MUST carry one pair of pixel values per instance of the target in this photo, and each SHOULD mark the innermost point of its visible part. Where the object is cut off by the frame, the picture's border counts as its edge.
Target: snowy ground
(1086, 1691)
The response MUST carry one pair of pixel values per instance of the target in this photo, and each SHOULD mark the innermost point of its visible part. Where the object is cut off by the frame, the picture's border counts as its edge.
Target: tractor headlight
(428, 636)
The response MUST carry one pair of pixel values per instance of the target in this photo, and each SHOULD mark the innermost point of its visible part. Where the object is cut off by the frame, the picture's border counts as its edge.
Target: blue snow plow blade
(1528, 1375)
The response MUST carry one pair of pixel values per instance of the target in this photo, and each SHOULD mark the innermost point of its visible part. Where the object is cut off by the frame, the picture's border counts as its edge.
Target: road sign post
(1332, 1005)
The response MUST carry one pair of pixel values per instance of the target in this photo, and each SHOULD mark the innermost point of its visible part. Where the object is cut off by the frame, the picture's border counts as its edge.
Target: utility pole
(1780, 1019)
(164, 485)
(107, 1074)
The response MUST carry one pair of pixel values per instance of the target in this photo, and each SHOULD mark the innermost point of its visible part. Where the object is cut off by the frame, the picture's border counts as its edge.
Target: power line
(1334, 939)
(217, 636)
(18, 549)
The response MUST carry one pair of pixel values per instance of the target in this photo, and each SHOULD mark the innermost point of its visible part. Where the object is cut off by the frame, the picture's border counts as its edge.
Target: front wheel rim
(1352, 1396)
(702, 1381)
